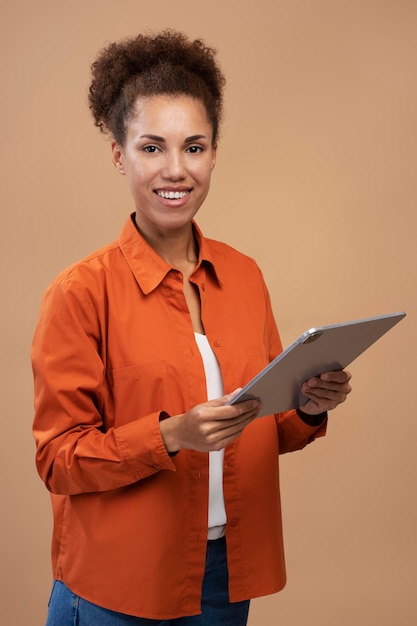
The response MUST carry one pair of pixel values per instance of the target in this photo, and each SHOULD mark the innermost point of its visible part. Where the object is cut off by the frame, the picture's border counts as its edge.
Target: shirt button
(230, 461)
(156, 466)
(217, 344)
(234, 522)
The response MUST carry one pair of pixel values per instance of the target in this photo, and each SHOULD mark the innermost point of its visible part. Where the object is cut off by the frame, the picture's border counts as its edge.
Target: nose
(174, 166)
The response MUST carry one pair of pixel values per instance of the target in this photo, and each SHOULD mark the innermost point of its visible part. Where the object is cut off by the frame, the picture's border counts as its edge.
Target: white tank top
(214, 384)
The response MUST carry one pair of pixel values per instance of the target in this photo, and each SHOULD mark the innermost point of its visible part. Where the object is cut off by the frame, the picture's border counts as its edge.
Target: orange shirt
(113, 353)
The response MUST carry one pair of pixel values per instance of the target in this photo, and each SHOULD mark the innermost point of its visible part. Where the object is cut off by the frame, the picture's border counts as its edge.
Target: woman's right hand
(209, 426)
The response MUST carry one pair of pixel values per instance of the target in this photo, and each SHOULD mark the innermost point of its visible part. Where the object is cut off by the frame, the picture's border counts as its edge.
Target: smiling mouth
(172, 195)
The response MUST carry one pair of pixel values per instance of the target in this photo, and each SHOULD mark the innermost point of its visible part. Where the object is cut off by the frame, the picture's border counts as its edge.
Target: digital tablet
(318, 350)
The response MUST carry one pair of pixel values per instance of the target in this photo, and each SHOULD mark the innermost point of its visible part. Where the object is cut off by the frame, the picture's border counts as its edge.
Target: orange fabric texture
(113, 353)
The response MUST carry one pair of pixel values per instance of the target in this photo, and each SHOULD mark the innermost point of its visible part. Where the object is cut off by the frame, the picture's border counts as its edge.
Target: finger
(220, 438)
(223, 400)
(316, 384)
(234, 393)
(326, 395)
(223, 417)
(241, 417)
(220, 427)
(324, 399)
(339, 376)
(228, 412)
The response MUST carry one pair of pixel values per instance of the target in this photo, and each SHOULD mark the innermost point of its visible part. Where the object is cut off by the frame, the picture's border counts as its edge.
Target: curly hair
(149, 65)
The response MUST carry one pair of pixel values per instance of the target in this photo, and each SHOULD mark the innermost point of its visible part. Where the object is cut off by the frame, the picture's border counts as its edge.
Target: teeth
(172, 195)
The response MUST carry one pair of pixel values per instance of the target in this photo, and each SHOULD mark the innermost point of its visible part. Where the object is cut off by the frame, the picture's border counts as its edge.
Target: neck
(178, 248)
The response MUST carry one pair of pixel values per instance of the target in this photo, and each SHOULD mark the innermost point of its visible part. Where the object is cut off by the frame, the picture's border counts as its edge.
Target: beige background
(316, 178)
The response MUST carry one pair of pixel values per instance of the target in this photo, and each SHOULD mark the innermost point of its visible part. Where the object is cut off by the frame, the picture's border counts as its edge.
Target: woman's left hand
(325, 392)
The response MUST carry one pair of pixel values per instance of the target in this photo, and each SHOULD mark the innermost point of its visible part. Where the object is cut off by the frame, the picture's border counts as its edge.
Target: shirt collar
(148, 267)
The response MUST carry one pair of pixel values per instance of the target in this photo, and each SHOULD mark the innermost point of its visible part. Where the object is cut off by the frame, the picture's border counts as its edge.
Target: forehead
(167, 114)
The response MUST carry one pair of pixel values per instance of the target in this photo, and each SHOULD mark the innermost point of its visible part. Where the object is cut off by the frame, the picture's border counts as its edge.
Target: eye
(194, 149)
(150, 149)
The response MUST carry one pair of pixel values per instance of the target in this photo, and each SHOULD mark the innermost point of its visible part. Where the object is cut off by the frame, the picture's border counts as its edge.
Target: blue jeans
(67, 609)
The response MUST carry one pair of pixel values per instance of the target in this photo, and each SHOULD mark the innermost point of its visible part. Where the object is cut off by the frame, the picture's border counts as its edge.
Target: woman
(165, 499)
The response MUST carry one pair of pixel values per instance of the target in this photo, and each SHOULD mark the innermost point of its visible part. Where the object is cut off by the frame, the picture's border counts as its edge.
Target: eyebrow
(162, 140)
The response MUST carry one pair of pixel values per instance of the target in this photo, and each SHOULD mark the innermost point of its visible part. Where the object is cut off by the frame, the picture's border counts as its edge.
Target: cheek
(203, 174)
(137, 176)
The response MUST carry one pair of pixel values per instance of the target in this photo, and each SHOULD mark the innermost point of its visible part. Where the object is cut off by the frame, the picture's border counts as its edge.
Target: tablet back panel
(316, 351)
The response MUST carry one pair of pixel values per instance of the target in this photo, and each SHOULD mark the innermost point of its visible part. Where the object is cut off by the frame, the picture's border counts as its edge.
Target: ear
(117, 157)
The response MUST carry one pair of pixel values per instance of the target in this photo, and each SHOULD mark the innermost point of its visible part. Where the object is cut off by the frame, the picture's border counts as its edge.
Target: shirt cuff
(312, 420)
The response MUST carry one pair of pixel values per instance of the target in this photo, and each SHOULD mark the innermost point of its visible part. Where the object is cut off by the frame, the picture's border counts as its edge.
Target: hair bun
(149, 65)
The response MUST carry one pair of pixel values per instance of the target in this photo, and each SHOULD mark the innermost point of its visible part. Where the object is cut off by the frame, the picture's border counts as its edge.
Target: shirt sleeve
(77, 451)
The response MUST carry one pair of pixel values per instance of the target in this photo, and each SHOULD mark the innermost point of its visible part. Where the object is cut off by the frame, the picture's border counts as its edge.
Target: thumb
(231, 395)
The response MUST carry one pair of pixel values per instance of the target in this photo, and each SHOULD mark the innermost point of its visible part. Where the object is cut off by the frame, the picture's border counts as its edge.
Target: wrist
(168, 430)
